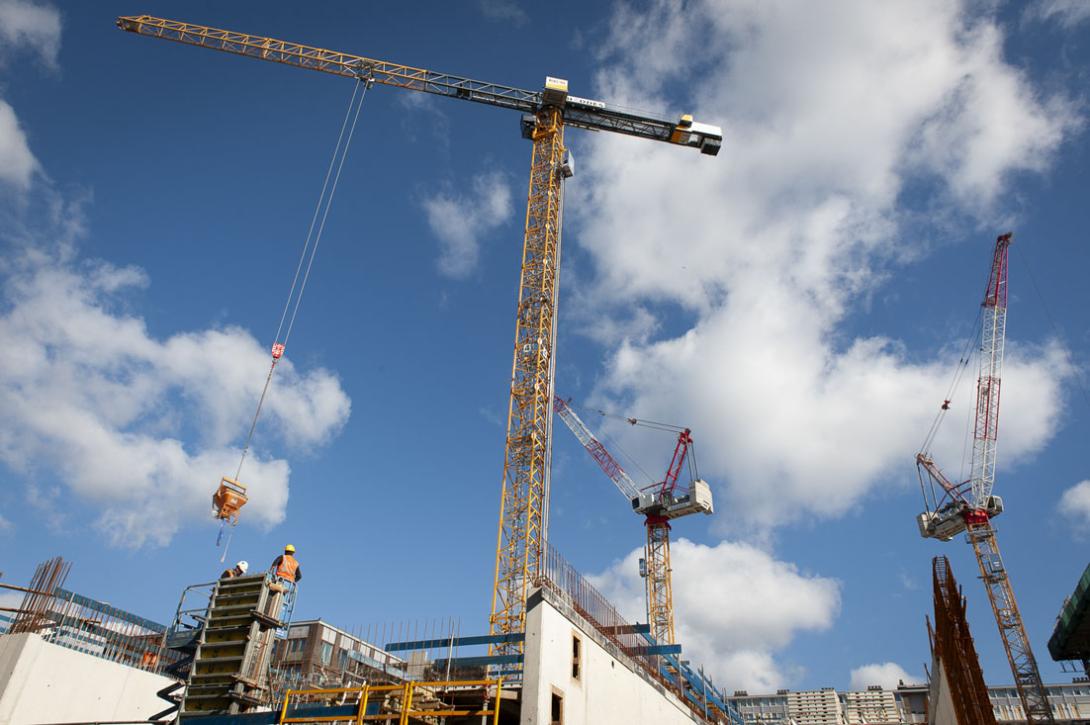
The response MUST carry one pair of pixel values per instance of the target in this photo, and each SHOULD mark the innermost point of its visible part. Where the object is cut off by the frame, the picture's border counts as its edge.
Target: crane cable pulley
(299, 284)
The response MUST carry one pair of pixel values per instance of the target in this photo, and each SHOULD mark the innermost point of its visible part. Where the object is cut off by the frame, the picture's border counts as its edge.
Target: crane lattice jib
(598, 452)
(1027, 676)
(660, 596)
(579, 113)
(993, 334)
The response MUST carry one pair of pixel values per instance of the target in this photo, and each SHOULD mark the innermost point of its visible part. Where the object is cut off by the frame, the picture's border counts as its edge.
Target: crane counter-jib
(578, 112)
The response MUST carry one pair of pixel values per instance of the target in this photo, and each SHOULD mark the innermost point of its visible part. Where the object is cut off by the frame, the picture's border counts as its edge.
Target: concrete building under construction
(555, 651)
(583, 663)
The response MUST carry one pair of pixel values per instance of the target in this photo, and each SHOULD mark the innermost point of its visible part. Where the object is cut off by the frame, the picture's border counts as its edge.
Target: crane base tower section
(573, 674)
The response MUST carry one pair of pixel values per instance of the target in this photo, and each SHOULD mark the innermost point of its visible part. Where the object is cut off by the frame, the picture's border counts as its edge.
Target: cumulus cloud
(30, 25)
(37, 28)
(140, 428)
(459, 220)
(830, 113)
(1075, 504)
(1067, 13)
(736, 607)
(886, 674)
(17, 162)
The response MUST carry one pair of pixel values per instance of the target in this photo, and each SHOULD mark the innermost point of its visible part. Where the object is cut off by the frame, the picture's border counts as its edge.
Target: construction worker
(237, 570)
(286, 566)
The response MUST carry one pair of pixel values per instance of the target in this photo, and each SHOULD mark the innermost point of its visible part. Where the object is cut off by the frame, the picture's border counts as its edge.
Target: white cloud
(504, 10)
(17, 163)
(138, 428)
(886, 674)
(1067, 13)
(1075, 504)
(459, 220)
(33, 25)
(830, 112)
(733, 635)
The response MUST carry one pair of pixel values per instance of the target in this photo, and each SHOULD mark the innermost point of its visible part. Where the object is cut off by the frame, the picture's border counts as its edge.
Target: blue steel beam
(454, 642)
(657, 649)
(481, 660)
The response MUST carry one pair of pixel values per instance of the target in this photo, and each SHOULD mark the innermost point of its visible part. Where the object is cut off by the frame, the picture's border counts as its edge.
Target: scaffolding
(455, 701)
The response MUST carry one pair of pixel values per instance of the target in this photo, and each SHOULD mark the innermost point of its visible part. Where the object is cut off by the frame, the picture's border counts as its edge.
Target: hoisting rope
(955, 381)
(307, 254)
(690, 462)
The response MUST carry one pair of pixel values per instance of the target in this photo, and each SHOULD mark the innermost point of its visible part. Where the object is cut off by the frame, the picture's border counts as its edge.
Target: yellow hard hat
(289, 548)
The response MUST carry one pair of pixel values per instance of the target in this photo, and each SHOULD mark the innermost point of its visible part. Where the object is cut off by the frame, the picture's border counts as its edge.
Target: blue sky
(799, 301)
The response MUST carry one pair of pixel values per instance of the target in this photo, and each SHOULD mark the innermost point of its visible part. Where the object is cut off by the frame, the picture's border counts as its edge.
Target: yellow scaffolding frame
(405, 709)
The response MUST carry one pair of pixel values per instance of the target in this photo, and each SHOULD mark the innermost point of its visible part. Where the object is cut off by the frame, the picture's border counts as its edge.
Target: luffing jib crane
(969, 506)
(658, 504)
(545, 115)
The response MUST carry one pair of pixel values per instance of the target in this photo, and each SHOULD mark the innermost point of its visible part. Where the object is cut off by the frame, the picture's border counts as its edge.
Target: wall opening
(576, 659)
(556, 709)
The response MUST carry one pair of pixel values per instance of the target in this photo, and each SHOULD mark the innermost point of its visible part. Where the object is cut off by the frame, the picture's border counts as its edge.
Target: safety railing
(92, 627)
(560, 577)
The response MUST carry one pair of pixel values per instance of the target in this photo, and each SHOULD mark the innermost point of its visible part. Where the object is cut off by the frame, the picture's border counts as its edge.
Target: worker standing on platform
(237, 570)
(286, 567)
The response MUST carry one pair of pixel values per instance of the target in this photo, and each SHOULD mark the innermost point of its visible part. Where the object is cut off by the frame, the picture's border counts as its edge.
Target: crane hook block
(277, 352)
(228, 500)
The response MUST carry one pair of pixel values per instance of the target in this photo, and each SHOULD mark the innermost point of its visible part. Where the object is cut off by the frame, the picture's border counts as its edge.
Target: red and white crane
(658, 503)
(969, 506)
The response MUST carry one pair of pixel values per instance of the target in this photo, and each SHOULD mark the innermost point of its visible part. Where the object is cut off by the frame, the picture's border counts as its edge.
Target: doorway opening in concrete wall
(556, 711)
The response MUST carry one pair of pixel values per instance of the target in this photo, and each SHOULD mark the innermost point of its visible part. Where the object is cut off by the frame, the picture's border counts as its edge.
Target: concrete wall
(608, 690)
(942, 710)
(45, 683)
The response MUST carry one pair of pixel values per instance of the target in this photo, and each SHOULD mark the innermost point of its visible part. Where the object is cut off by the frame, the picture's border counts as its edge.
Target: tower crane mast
(969, 506)
(546, 113)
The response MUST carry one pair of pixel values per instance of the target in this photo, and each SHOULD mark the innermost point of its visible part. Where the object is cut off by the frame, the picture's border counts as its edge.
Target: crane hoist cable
(231, 495)
(955, 381)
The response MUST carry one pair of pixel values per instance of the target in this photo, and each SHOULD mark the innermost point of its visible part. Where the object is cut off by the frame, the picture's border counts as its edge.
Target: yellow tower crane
(525, 492)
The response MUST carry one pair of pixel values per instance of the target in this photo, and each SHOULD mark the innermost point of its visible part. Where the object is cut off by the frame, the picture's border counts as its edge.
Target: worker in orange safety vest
(286, 566)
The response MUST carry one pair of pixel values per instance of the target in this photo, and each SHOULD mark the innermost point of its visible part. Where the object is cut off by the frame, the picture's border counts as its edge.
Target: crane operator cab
(228, 500)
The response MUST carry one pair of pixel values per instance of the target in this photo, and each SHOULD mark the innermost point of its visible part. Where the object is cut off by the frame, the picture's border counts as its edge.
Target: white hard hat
(243, 566)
